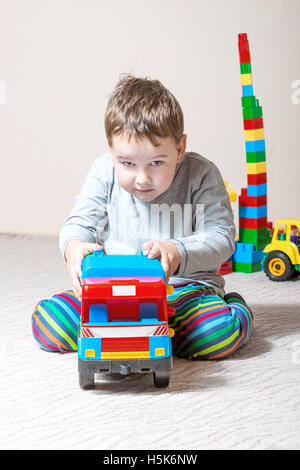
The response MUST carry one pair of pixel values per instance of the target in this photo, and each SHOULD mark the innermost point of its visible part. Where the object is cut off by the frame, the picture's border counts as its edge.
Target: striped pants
(206, 326)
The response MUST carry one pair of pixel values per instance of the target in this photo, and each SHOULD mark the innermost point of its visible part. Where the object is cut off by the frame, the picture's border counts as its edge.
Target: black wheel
(161, 378)
(86, 380)
(278, 266)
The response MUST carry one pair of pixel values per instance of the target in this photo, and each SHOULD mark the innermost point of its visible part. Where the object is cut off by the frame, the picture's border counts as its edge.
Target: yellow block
(126, 355)
(254, 134)
(90, 353)
(256, 168)
(246, 78)
(231, 192)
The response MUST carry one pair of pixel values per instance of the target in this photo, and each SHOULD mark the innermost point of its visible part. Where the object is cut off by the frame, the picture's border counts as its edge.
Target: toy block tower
(254, 231)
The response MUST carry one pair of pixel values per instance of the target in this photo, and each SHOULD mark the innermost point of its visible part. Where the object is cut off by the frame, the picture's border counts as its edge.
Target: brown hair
(143, 107)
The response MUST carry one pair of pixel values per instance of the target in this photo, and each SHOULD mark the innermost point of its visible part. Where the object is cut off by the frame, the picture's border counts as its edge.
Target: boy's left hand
(166, 252)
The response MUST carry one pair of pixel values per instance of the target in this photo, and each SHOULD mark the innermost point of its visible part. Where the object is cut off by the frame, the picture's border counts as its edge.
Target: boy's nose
(143, 179)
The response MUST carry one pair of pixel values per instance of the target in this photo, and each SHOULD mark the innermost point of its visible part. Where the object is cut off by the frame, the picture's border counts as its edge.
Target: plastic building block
(252, 112)
(257, 190)
(246, 79)
(226, 268)
(231, 192)
(259, 178)
(247, 90)
(256, 123)
(245, 67)
(252, 223)
(249, 101)
(255, 157)
(244, 48)
(124, 318)
(245, 200)
(254, 134)
(256, 167)
(258, 237)
(253, 212)
(246, 253)
(255, 145)
(247, 267)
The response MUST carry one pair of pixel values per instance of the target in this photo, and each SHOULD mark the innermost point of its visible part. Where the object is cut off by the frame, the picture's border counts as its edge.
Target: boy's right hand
(75, 251)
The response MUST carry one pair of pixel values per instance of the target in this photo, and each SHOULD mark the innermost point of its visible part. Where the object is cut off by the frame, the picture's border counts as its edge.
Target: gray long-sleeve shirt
(194, 213)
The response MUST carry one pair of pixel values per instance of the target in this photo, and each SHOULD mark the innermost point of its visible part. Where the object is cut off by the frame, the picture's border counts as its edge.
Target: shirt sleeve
(213, 238)
(88, 219)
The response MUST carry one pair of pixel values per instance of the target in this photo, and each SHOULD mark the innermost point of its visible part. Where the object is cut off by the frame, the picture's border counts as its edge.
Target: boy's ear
(181, 146)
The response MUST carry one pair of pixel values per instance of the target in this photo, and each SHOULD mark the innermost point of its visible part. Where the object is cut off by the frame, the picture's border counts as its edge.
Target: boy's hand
(75, 251)
(166, 252)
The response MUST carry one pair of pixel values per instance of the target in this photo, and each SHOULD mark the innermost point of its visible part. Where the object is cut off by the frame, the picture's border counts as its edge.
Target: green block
(249, 102)
(255, 157)
(247, 267)
(246, 67)
(259, 237)
(254, 112)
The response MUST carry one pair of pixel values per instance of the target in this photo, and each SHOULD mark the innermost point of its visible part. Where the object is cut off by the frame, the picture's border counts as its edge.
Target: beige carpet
(248, 401)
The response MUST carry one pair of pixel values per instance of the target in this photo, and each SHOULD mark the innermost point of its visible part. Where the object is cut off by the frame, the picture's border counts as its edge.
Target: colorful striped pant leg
(206, 327)
(55, 322)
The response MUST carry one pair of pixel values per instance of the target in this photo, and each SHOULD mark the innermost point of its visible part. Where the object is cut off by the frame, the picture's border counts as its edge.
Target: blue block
(246, 253)
(257, 190)
(255, 145)
(253, 212)
(247, 90)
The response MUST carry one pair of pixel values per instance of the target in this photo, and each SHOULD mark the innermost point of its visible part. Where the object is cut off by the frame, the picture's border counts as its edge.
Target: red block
(255, 123)
(251, 201)
(259, 178)
(226, 268)
(253, 223)
(244, 48)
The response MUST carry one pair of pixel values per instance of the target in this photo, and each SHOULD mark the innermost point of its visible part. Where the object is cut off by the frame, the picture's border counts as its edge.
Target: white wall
(60, 59)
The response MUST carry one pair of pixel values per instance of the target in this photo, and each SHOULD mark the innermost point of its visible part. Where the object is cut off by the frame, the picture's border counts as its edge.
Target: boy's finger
(146, 247)
(155, 251)
(77, 270)
(89, 248)
(76, 286)
(96, 247)
(165, 264)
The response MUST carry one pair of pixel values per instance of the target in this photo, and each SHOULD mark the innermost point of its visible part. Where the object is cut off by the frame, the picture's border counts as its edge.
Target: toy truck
(282, 256)
(124, 318)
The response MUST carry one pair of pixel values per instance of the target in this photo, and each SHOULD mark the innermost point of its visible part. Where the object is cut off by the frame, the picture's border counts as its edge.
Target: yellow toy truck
(282, 256)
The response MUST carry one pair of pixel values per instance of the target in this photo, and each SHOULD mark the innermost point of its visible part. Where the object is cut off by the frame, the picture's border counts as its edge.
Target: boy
(149, 193)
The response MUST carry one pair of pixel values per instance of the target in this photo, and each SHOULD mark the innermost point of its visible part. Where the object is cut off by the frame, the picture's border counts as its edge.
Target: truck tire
(161, 378)
(278, 266)
(86, 380)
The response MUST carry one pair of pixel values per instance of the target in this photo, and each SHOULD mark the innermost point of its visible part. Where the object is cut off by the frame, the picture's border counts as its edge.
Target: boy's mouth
(144, 190)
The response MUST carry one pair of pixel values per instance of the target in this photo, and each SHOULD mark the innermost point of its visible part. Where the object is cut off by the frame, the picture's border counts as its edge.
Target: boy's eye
(128, 164)
(156, 162)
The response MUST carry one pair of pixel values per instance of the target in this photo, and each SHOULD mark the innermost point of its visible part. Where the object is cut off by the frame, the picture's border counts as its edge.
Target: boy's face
(145, 170)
